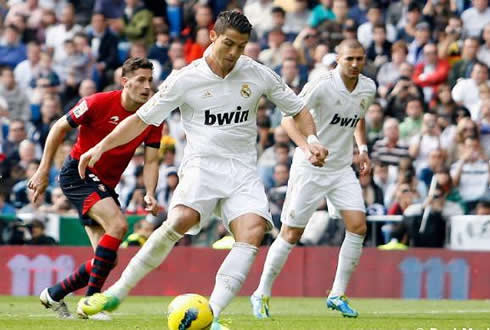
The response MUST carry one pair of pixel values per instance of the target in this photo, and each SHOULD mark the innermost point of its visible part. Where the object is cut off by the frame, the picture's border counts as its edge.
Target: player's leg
(347, 197)
(180, 219)
(248, 231)
(302, 198)
(53, 296)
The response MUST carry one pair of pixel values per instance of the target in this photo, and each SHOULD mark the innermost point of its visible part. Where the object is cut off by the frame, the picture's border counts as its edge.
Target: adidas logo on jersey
(225, 118)
(344, 121)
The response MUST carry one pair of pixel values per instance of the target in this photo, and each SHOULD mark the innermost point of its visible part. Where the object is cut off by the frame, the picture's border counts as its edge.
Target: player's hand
(88, 159)
(151, 204)
(316, 154)
(38, 183)
(364, 163)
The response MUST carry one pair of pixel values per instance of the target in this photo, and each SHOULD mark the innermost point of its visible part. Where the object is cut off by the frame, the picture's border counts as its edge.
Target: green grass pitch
(288, 313)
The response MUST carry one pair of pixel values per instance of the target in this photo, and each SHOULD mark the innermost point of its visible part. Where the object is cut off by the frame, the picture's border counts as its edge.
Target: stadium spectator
(379, 51)
(141, 231)
(271, 56)
(483, 206)
(252, 50)
(12, 50)
(5, 207)
(165, 195)
(277, 193)
(59, 204)
(397, 11)
(431, 72)
(365, 30)
(424, 142)
(137, 23)
(471, 173)
(159, 50)
(390, 150)
(175, 51)
(116, 83)
(463, 68)
(323, 62)
(58, 33)
(484, 123)
(415, 48)
(389, 72)
(359, 11)
(24, 71)
(399, 95)
(18, 195)
(305, 45)
(112, 9)
(449, 45)
(197, 48)
(412, 124)
(291, 76)
(331, 30)
(406, 30)
(71, 96)
(483, 54)
(15, 95)
(374, 123)
(16, 134)
(259, 13)
(50, 111)
(476, 17)
(297, 18)
(435, 163)
(103, 45)
(320, 13)
(466, 91)
(38, 235)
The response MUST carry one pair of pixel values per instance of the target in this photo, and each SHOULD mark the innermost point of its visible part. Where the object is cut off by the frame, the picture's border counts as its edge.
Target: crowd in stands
(430, 121)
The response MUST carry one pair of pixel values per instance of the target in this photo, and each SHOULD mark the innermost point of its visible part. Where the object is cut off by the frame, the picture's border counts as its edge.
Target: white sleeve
(281, 95)
(168, 98)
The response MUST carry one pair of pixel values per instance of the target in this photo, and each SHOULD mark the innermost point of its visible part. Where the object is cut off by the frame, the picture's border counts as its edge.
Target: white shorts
(228, 188)
(308, 186)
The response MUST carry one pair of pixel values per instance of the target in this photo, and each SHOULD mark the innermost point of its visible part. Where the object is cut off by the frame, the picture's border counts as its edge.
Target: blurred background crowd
(429, 60)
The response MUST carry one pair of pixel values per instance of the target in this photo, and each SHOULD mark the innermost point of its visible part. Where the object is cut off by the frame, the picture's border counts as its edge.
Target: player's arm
(150, 178)
(302, 130)
(126, 131)
(39, 181)
(360, 136)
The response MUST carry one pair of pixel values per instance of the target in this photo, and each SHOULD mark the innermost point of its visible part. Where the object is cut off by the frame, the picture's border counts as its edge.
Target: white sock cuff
(169, 233)
(245, 247)
(281, 241)
(353, 237)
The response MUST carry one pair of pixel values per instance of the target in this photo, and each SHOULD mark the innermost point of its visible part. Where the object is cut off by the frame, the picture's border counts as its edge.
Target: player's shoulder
(323, 81)
(249, 65)
(183, 76)
(103, 97)
(367, 83)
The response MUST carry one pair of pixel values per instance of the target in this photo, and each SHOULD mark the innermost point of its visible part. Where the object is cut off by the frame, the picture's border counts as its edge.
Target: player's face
(351, 62)
(228, 47)
(138, 85)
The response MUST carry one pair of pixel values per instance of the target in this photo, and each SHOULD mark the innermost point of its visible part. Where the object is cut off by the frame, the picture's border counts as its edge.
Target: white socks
(231, 275)
(276, 258)
(150, 256)
(349, 256)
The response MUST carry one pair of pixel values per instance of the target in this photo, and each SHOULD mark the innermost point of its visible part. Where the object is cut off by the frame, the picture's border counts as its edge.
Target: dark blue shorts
(83, 194)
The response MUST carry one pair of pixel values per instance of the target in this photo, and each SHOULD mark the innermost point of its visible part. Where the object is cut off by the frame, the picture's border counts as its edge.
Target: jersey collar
(340, 83)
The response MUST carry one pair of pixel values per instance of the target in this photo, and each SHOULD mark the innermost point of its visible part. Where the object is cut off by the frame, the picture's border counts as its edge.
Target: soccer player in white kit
(218, 97)
(338, 101)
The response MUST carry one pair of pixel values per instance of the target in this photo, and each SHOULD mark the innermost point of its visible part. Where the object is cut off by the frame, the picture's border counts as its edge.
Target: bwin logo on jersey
(345, 121)
(225, 118)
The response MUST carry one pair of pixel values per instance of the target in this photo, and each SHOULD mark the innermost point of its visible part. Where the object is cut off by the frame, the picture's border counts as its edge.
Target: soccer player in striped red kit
(94, 196)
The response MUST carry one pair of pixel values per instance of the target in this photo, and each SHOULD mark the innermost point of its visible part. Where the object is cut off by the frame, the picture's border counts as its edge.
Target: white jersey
(336, 112)
(219, 114)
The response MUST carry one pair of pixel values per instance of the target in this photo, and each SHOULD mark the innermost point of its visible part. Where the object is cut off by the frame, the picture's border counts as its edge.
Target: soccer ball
(189, 311)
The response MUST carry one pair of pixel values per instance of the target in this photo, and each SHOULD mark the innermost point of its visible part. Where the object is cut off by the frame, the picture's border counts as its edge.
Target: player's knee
(253, 235)
(359, 228)
(290, 234)
(120, 227)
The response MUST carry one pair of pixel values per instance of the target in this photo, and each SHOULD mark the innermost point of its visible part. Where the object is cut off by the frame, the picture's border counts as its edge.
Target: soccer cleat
(341, 304)
(57, 306)
(97, 303)
(217, 325)
(393, 245)
(260, 306)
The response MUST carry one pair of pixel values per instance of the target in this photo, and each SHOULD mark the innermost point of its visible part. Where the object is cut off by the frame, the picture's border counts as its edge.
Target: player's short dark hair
(134, 63)
(278, 10)
(232, 19)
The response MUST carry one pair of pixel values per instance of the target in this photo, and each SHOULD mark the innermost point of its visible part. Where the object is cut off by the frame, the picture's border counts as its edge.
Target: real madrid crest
(245, 91)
